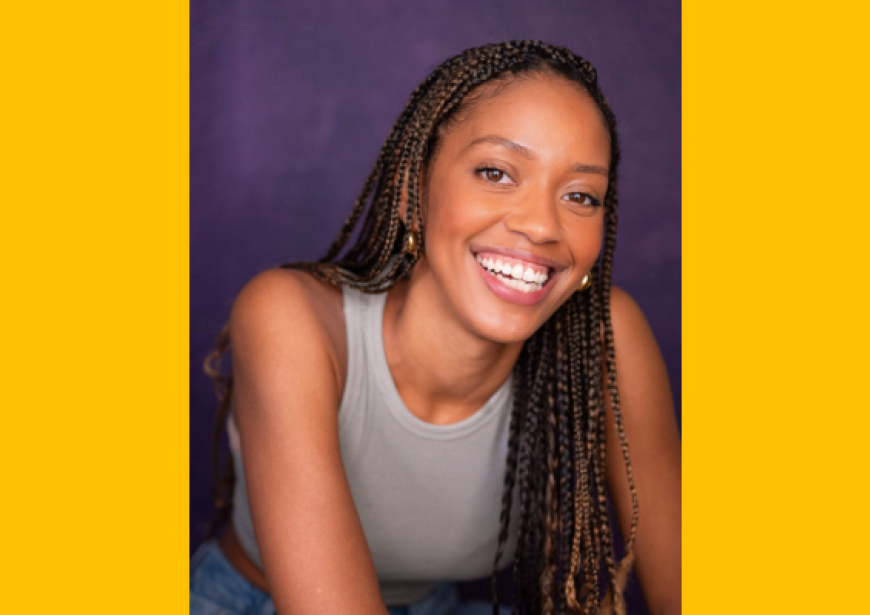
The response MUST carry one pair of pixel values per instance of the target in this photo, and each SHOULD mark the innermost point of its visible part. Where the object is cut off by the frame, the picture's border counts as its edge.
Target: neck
(443, 371)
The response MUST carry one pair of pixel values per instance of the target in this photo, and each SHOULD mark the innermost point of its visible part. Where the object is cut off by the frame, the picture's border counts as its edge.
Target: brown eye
(581, 198)
(491, 174)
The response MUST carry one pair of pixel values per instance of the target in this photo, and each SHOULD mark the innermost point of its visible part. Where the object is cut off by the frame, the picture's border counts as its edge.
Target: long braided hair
(564, 560)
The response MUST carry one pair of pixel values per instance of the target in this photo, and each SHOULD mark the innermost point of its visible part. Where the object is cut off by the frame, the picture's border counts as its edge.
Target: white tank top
(429, 496)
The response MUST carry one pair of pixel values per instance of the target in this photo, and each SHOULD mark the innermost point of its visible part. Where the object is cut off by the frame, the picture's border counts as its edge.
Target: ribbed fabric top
(428, 496)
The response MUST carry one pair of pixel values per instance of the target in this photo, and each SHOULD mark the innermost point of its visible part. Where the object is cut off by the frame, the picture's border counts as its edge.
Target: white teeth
(526, 280)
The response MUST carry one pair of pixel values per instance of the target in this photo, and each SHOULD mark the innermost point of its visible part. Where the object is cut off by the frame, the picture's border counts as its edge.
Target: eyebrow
(525, 152)
(522, 150)
(590, 168)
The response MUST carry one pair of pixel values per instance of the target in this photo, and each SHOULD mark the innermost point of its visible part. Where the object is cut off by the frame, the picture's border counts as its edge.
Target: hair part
(565, 374)
(535, 68)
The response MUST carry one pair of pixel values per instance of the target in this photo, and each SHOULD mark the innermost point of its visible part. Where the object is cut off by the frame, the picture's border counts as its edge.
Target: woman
(460, 387)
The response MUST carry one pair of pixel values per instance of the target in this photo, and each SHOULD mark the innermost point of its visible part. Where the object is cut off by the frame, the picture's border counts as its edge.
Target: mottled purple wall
(290, 102)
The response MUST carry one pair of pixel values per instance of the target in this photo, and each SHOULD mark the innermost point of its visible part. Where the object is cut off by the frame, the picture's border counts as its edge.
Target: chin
(505, 330)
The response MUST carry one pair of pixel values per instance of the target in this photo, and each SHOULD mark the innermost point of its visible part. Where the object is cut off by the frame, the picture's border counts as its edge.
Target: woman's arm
(286, 397)
(654, 444)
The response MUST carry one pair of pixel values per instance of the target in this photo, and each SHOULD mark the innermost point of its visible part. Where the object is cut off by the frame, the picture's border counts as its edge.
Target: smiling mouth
(515, 274)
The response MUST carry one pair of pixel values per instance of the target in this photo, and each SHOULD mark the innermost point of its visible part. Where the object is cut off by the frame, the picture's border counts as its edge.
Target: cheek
(452, 216)
(586, 240)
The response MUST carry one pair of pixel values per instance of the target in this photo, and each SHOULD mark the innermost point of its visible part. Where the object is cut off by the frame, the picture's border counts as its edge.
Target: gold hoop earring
(412, 243)
(585, 283)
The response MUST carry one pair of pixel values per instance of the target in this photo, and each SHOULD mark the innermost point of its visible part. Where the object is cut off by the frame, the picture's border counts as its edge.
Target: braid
(566, 501)
(519, 406)
(584, 442)
(225, 478)
(549, 572)
(618, 580)
(565, 374)
(525, 473)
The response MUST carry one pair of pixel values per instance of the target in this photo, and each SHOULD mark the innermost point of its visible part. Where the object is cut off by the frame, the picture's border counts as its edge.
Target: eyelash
(592, 200)
(482, 172)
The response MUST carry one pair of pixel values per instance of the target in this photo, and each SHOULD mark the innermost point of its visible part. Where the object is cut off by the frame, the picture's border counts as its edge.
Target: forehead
(540, 111)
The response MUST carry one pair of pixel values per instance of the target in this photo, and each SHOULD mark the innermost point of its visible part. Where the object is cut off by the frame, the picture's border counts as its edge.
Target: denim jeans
(216, 588)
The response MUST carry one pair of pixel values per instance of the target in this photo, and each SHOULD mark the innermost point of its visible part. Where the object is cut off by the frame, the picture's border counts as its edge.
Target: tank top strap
(362, 315)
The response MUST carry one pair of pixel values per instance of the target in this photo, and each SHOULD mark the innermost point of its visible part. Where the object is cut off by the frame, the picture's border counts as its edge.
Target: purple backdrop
(291, 101)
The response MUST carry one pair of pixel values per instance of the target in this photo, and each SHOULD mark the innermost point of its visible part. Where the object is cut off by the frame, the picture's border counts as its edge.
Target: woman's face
(514, 208)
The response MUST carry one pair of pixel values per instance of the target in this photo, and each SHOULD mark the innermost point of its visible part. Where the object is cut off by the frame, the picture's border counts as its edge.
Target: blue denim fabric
(217, 589)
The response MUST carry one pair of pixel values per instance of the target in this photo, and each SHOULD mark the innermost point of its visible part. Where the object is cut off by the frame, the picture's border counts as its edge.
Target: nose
(534, 215)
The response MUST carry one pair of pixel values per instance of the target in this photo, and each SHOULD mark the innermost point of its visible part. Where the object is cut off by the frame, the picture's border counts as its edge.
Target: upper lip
(521, 255)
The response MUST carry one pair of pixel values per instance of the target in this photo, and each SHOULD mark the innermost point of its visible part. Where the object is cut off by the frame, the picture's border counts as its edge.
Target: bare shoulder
(641, 373)
(285, 293)
(626, 315)
(283, 311)
(637, 353)
(647, 412)
(642, 378)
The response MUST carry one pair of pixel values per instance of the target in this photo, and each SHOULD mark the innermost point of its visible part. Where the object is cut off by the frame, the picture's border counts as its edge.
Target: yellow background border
(95, 290)
(775, 333)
